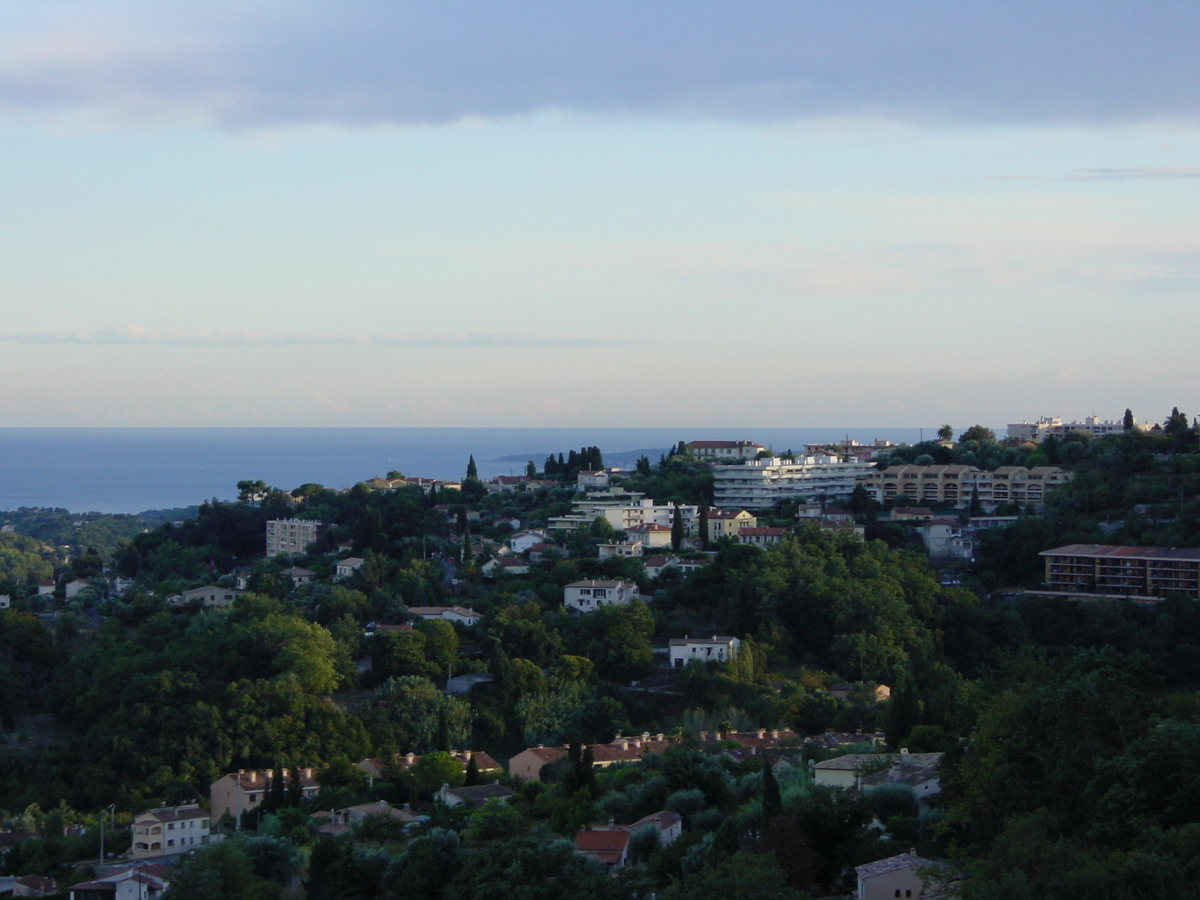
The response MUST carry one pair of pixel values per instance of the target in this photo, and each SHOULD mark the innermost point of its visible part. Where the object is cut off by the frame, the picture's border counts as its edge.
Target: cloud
(1153, 173)
(365, 62)
(133, 335)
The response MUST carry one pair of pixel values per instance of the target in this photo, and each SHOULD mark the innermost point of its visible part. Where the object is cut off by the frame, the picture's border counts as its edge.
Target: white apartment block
(761, 483)
(625, 515)
(1054, 425)
(291, 537)
(957, 484)
(589, 596)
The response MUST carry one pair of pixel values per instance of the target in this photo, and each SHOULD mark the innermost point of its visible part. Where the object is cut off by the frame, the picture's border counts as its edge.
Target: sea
(132, 470)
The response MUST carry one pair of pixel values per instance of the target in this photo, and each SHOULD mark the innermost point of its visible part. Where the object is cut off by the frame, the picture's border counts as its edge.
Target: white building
(718, 648)
(1054, 425)
(291, 537)
(724, 451)
(896, 876)
(170, 830)
(459, 614)
(211, 596)
(626, 515)
(589, 596)
(347, 567)
(761, 483)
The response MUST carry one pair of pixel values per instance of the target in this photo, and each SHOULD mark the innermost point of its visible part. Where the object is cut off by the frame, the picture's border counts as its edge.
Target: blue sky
(751, 214)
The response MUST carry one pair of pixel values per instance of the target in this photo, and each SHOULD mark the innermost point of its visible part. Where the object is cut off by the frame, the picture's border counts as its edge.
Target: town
(962, 667)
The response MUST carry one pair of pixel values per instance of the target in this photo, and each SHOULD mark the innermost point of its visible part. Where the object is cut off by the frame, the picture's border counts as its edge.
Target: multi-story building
(1107, 570)
(291, 537)
(240, 791)
(761, 483)
(727, 523)
(589, 596)
(1054, 425)
(718, 648)
(169, 830)
(955, 484)
(627, 514)
(724, 451)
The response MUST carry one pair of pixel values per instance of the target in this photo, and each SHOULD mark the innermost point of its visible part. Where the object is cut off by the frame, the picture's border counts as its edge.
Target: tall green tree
(472, 469)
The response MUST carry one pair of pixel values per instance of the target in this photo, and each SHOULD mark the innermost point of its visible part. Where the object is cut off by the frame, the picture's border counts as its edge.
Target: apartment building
(761, 483)
(291, 537)
(724, 451)
(955, 484)
(169, 830)
(1054, 425)
(1107, 570)
(240, 791)
(727, 523)
(627, 514)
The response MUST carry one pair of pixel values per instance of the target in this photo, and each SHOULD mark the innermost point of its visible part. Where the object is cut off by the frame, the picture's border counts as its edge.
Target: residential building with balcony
(955, 484)
(724, 451)
(1118, 572)
(170, 830)
(761, 483)
(589, 596)
(1048, 426)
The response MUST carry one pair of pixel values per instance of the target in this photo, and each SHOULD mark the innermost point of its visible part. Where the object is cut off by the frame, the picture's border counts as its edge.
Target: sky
(772, 214)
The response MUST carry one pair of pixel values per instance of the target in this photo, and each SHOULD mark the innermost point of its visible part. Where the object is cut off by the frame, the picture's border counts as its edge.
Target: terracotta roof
(607, 846)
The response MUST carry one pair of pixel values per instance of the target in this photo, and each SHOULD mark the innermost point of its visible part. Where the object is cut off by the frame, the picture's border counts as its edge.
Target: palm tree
(945, 433)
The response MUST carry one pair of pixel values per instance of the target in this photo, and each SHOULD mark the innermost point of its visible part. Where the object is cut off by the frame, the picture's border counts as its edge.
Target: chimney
(775, 734)
(645, 735)
(660, 737)
(761, 733)
(410, 758)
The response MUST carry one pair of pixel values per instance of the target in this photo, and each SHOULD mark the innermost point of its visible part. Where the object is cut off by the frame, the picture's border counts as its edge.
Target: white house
(718, 648)
(592, 479)
(170, 830)
(5, 601)
(525, 540)
(299, 576)
(210, 595)
(143, 881)
(588, 596)
(347, 567)
(624, 549)
(459, 614)
(844, 771)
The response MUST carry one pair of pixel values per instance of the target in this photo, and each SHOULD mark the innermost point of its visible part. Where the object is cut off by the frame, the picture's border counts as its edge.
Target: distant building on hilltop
(1047, 426)
(291, 537)
(724, 451)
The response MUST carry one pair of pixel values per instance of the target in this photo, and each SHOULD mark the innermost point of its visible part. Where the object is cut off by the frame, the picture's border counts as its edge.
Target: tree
(676, 528)
(978, 433)
(530, 469)
(1128, 423)
(703, 526)
(945, 433)
(472, 470)
(772, 799)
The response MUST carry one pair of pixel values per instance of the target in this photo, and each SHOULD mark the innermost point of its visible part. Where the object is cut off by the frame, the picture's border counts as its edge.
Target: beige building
(240, 791)
(170, 830)
(291, 537)
(724, 523)
(955, 484)
(527, 765)
(1106, 570)
(761, 483)
(843, 771)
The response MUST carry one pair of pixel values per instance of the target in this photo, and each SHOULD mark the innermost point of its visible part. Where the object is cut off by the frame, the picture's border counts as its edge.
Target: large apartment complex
(1054, 425)
(761, 483)
(1106, 570)
(291, 537)
(957, 484)
(724, 451)
(629, 512)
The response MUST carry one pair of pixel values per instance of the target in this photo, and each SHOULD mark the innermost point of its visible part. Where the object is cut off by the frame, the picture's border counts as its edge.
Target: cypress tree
(472, 778)
(676, 528)
(295, 789)
(276, 794)
(772, 799)
(472, 471)
(704, 526)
